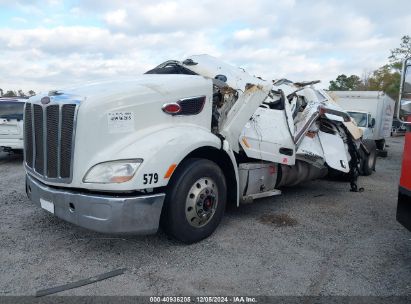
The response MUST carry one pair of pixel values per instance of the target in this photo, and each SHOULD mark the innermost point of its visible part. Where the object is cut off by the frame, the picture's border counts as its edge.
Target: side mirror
(404, 108)
(371, 123)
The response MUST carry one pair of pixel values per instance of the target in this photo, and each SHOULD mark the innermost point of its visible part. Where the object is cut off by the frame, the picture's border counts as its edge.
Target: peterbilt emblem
(45, 100)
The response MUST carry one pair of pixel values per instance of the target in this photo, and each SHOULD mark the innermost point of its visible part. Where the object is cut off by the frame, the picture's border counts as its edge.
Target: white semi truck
(373, 112)
(173, 146)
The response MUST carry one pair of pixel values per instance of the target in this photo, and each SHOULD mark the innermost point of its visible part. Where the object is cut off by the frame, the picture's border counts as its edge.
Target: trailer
(173, 147)
(373, 112)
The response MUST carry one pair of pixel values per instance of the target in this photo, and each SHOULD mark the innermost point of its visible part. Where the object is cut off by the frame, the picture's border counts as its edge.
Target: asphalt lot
(316, 239)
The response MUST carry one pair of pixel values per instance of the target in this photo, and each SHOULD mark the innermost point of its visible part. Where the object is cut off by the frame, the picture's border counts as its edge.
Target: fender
(160, 150)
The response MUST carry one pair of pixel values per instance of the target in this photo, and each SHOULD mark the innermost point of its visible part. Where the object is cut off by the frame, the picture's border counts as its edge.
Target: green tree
(386, 79)
(21, 93)
(1, 92)
(345, 83)
(10, 94)
(32, 93)
(400, 53)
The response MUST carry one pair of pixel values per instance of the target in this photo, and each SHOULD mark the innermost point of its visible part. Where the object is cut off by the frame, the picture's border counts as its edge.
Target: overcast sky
(51, 44)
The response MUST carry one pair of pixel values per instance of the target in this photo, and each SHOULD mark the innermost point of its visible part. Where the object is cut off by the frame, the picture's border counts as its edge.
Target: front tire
(195, 200)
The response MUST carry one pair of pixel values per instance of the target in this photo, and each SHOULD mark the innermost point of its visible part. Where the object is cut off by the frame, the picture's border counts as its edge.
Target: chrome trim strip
(73, 143)
(45, 141)
(34, 136)
(25, 133)
(59, 142)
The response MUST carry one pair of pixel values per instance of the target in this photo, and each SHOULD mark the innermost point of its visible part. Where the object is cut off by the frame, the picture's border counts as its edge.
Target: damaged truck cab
(176, 144)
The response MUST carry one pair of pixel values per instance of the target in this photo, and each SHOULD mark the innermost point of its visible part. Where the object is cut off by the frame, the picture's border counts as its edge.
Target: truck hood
(143, 85)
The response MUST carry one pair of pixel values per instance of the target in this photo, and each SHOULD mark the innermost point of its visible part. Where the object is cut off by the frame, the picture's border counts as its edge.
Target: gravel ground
(315, 239)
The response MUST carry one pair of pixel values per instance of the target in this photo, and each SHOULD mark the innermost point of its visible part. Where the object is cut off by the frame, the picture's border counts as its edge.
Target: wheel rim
(201, 202)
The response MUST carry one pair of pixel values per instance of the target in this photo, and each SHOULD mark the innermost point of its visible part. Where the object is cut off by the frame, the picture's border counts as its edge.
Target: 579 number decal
(150, 178)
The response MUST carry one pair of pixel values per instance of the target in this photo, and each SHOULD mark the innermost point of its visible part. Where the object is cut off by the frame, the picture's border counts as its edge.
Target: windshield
(360, 118)
(11, 110)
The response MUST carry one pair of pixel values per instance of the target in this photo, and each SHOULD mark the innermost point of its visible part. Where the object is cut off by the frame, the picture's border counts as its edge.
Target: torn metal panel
(224, 97)
(355, 132)
(310, 150)
(211, 67)
(334, 151)
(241, 112)
(305, 121)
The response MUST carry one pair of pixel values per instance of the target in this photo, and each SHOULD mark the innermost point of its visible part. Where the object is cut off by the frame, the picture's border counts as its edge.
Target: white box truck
(373, 112)
(173, 146)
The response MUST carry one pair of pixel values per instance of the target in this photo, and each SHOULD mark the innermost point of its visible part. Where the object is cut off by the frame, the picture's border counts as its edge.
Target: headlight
(118, 171)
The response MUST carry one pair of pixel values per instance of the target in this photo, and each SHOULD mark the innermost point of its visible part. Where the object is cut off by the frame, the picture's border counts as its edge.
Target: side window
(11, 110)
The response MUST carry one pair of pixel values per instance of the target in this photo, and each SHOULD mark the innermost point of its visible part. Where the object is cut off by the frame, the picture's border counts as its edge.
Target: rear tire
(368, 161)
(380, 144)
(195, 201)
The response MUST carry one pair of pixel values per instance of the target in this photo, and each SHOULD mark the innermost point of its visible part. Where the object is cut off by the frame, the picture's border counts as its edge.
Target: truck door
(404, 193)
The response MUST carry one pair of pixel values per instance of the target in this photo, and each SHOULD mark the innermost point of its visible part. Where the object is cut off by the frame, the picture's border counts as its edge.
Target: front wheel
(195, 200)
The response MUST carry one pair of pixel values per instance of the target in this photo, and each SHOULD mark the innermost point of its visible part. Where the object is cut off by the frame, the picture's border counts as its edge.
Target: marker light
(171, 108)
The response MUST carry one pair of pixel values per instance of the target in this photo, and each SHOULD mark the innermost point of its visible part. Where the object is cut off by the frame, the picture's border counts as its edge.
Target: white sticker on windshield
(120, 122)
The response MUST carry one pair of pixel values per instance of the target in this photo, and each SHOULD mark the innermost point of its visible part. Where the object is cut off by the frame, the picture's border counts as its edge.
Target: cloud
(77, 41)
(251, 34)
(116, 18)
(19, 20)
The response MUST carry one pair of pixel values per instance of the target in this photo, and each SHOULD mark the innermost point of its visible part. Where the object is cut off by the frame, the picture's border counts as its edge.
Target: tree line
(386, 78)
(19, 93)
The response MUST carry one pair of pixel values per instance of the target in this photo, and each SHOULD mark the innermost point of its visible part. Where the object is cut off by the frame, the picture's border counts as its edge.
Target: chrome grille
(49, 140)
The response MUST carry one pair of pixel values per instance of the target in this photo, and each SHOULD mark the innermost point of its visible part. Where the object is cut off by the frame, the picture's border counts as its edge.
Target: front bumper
(99, 212)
